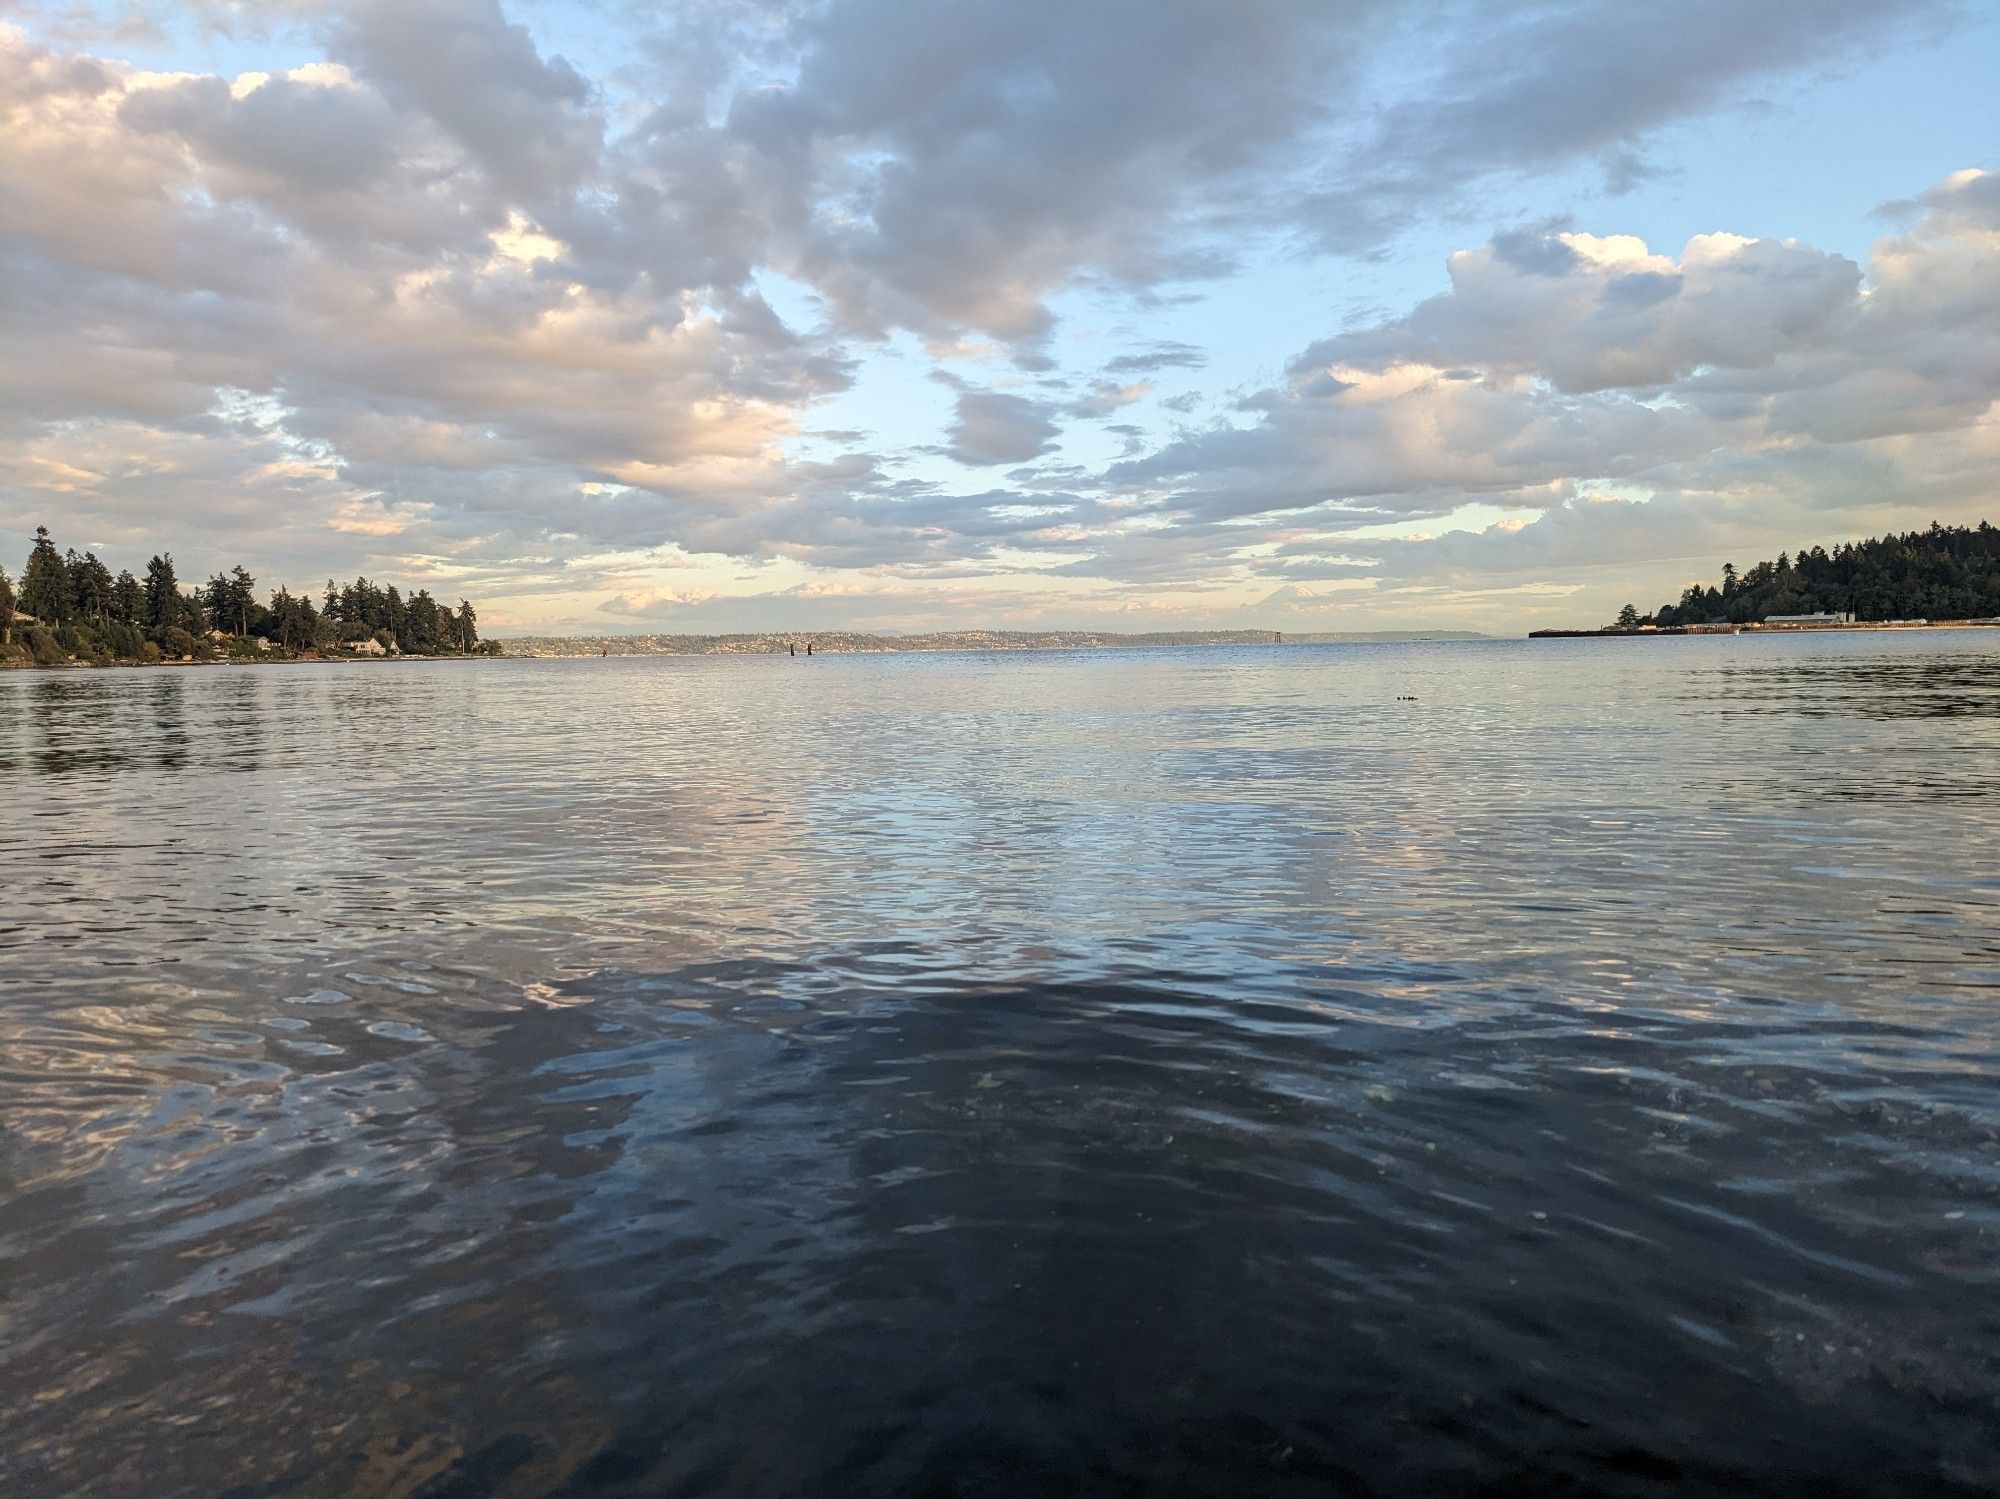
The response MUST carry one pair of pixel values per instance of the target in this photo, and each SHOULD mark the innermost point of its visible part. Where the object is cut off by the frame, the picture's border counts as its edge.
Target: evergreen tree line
(74, 607)
(1947, 572)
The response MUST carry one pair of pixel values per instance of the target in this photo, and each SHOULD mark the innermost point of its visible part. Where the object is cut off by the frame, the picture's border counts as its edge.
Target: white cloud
(435, 293)
(1539, 373)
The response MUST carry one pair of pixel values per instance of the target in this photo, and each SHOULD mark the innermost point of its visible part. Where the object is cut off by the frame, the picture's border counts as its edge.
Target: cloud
(663, 604)
(1520, 89)
(1590, 313)
(1160, 357)
(993, 427)
(1103, 397)
(954, 166)
(429, 294)
(1596, 360)
(985, 153)
(363, 274)
(527, 121)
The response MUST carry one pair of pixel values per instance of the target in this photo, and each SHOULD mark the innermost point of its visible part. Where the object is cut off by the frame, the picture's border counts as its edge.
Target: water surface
(1127, 1072)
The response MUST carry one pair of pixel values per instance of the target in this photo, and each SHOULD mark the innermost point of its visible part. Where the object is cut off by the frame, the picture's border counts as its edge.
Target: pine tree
(216, 595)
(294, 620)
(242, 599)
(422, 624)
(45, 582)
(164, 606)
(90, 587)
(6, 609)
(128, 600)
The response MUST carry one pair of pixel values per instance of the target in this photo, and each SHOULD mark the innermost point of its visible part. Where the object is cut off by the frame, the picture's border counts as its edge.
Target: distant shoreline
(843, 642)
(257, 661)
(1758, 628)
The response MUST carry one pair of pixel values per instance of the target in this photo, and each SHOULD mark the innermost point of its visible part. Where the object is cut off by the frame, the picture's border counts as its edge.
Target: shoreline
(727, 646)
(259, 661)
(861, 643)
(1898, 626)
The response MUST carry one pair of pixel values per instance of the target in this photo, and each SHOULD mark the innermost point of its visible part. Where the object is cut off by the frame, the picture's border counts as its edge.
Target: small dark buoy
(809, 647)
(795, 647)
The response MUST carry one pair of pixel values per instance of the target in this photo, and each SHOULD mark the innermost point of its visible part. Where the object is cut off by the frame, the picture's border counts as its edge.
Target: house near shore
(224, 637)
(1807, 621)
(368, 645)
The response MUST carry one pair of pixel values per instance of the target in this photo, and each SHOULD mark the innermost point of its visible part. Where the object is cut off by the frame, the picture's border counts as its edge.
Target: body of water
(1168, 1071)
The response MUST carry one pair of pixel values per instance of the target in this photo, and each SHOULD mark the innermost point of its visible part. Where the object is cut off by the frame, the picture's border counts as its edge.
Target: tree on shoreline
(129, 597)
(45, 582)
(90, 587)
(1946, 572)
(164, 604)
(79, 610)
(230, 598)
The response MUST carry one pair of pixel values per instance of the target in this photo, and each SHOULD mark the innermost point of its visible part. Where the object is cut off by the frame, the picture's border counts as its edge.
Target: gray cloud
(1524, 88)
(1102, 397)
(438, 296)
(1527, 377)
(990, 150)
(993, 427)
(1160, 357)
(1589, 314)
(527, 120)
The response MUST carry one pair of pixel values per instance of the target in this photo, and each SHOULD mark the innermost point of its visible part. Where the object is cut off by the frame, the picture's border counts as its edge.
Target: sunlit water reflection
(1155, 1071)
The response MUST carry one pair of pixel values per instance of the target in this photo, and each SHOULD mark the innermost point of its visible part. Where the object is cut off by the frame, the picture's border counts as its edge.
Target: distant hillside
(853, 641)
(838, 641)
(1947, 572)
(1381, 637)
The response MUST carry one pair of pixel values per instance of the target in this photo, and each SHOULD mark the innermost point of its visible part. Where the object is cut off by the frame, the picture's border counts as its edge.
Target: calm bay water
(1165, 1071)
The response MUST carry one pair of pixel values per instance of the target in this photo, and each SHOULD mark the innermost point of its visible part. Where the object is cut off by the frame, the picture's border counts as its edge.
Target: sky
(983, 314)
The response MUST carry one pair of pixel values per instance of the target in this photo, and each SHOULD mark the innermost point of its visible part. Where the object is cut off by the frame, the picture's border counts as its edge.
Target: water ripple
(1165, 1071)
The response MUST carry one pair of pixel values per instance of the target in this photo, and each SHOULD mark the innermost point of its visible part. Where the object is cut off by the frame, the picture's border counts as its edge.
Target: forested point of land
(1947, 572)
(68, 607)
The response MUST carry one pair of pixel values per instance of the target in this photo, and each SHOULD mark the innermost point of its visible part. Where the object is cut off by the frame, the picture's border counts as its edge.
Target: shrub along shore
(70, 610)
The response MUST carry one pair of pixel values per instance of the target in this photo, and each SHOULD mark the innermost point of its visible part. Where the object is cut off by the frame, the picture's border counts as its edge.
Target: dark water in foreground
(1163, 1072)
